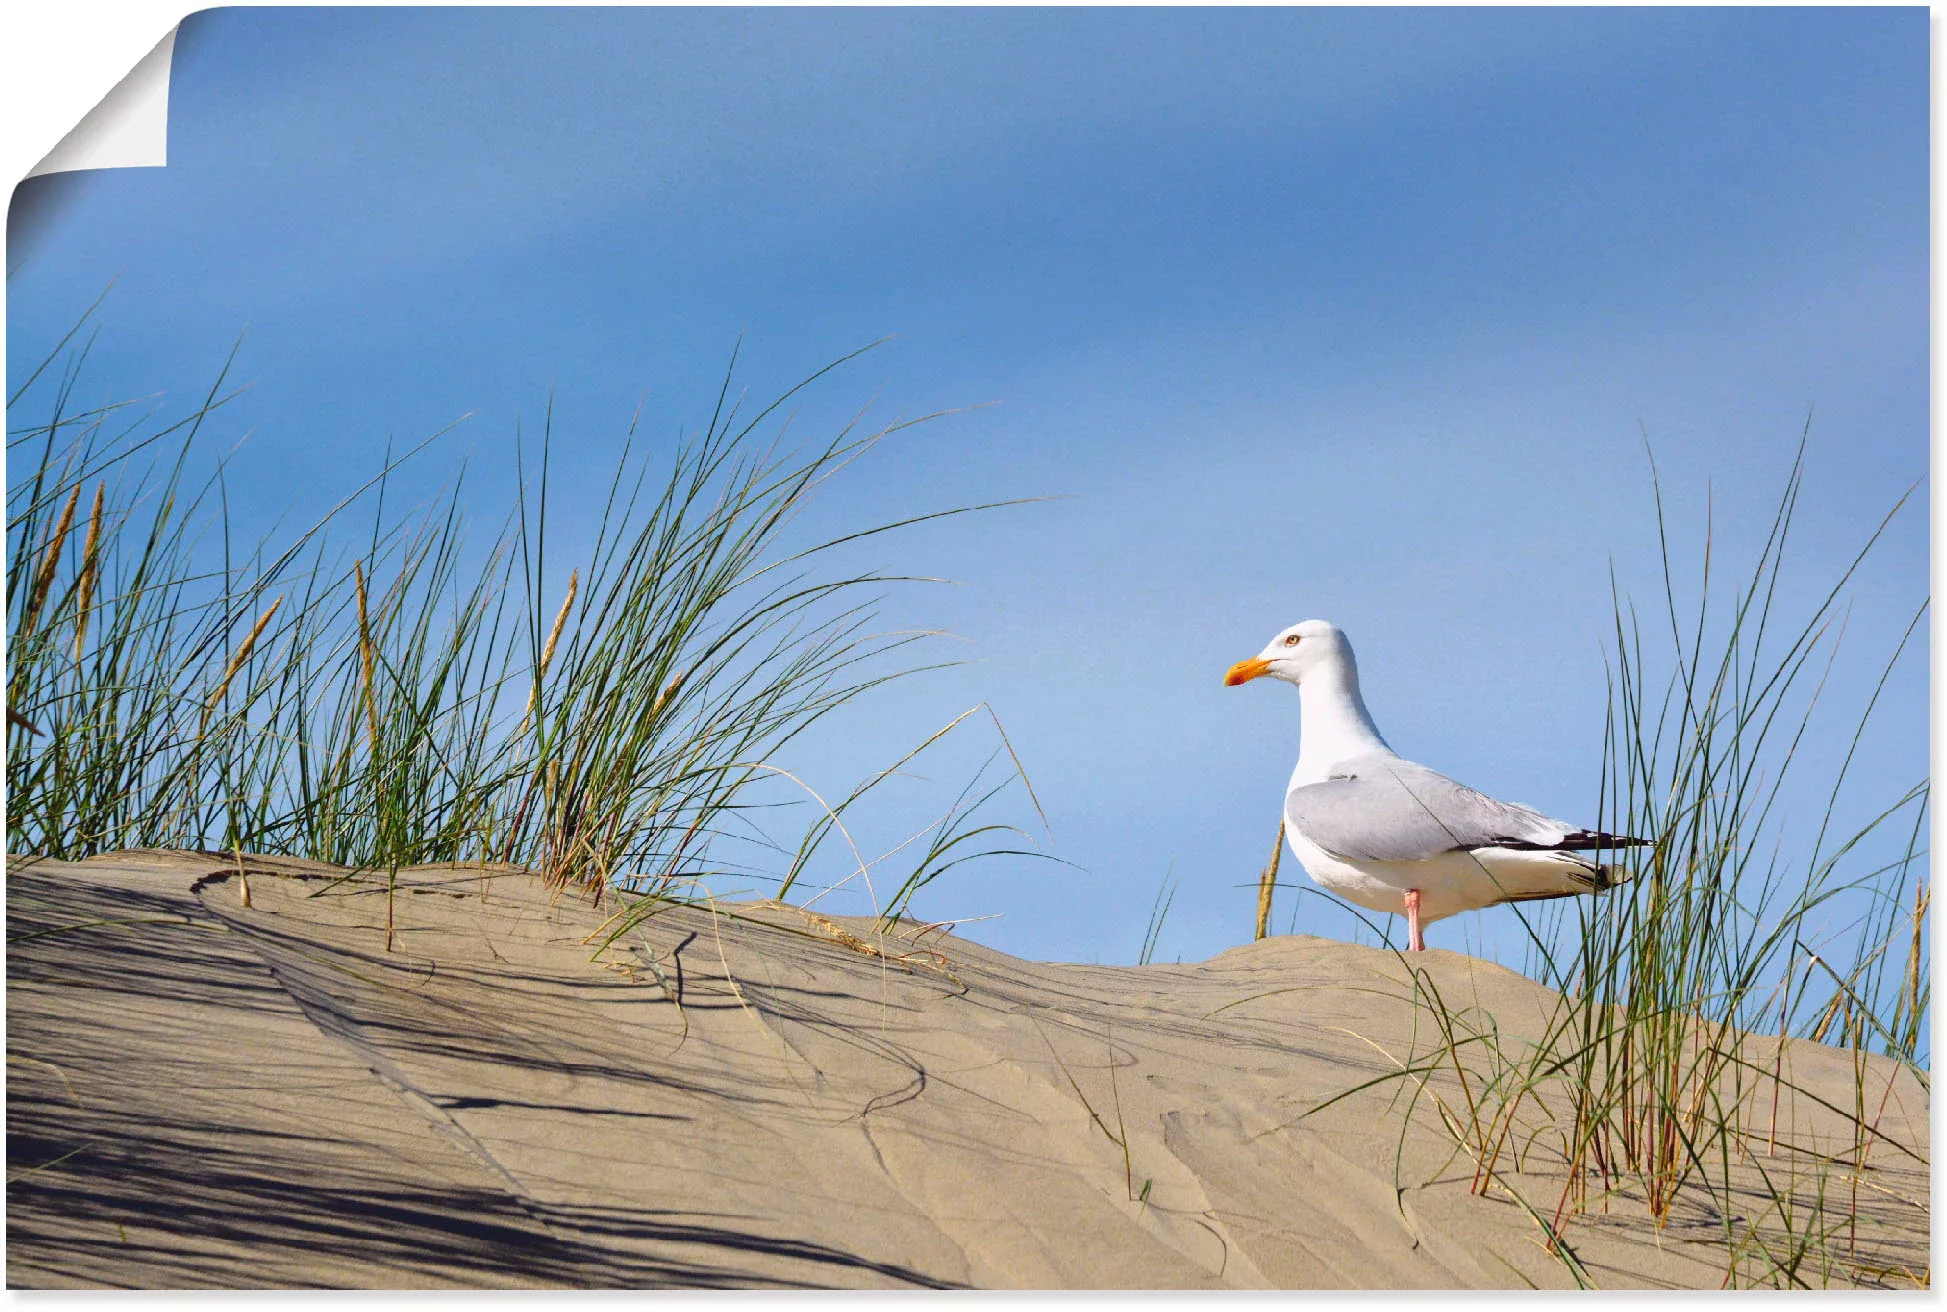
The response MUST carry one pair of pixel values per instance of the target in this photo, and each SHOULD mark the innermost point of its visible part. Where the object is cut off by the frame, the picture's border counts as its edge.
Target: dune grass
(376, 689)
(1657, 1083)
(1159, 911)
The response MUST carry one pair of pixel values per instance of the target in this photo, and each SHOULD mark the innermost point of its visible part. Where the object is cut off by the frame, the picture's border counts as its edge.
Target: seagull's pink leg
(1415, 941)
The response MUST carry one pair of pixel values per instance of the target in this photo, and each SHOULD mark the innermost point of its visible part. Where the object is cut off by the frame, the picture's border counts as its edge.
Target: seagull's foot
(1415, 940)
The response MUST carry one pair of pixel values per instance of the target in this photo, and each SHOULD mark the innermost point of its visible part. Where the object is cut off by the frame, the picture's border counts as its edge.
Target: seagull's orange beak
(1245, 671)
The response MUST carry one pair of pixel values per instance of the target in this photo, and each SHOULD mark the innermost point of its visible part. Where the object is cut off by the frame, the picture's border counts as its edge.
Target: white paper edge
(129, 128)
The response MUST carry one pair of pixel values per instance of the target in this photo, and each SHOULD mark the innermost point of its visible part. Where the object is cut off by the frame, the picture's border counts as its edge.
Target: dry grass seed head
(90, 570)
(44, 577)
(236, 661)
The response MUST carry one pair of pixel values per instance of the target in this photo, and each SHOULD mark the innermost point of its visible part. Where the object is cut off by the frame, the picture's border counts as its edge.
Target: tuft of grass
(1663, 1082)
(379, 690)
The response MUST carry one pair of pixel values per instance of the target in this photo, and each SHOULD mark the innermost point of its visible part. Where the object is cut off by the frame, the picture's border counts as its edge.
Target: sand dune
(206, 1093)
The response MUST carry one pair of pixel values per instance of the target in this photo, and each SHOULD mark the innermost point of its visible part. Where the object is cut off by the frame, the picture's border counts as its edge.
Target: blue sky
(1353, 314)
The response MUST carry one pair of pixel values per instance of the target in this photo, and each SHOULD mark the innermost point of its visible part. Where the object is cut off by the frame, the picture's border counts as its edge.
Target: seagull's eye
(1291, 640)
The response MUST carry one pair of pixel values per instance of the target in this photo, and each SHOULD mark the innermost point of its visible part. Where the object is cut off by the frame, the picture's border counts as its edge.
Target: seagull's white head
(1301, 650)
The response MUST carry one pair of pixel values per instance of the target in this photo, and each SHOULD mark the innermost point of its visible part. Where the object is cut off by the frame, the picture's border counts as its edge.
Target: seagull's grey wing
(1385, 809)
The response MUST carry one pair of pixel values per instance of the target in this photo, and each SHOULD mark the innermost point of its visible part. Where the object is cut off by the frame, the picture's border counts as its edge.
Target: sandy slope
(201, 1093)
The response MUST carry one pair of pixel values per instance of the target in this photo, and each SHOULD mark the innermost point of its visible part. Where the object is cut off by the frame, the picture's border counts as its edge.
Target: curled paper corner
(128, 129)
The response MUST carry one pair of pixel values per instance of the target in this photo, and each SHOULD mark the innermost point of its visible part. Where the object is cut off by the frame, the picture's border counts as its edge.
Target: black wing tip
(1592, 838)
(1582, 840)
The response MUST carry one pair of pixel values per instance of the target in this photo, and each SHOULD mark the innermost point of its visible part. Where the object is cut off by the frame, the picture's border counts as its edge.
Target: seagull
(1392, 836)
